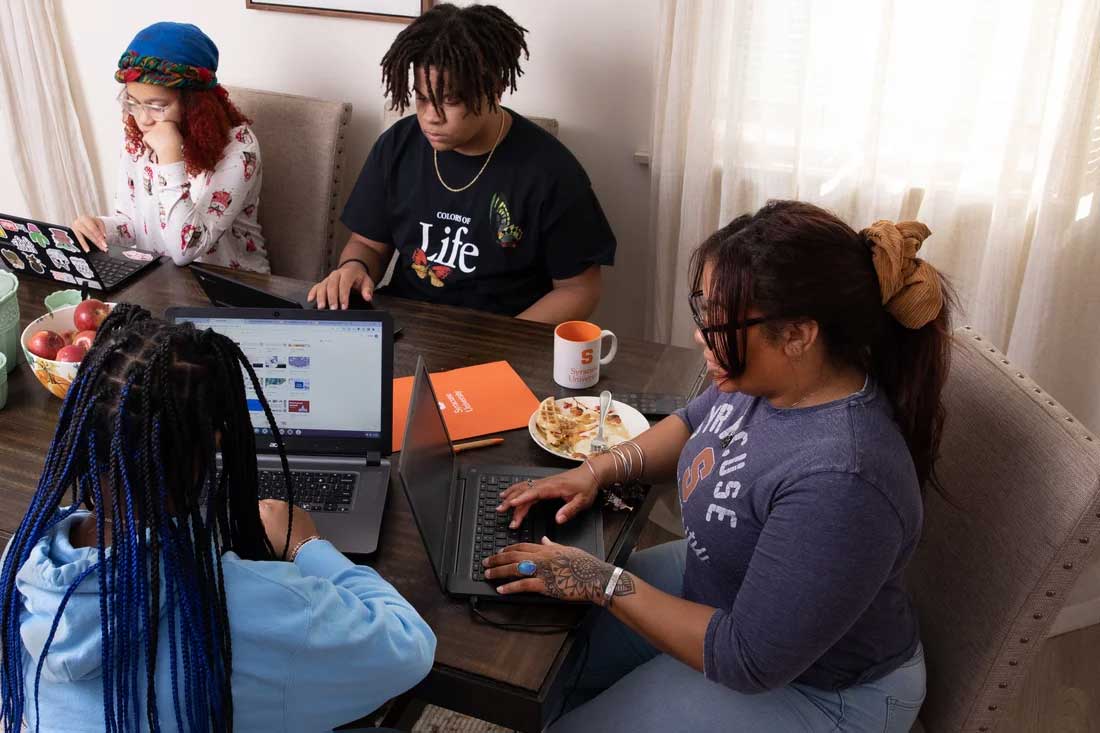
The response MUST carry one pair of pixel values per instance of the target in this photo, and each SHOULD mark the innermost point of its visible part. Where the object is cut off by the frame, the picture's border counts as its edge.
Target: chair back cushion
(996, 561)
(302, 153)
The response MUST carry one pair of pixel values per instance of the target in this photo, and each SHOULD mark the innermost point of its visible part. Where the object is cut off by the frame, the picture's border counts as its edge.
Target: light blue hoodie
(316, 643)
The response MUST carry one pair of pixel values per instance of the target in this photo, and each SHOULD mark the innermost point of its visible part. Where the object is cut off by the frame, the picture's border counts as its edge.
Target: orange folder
(476, 400)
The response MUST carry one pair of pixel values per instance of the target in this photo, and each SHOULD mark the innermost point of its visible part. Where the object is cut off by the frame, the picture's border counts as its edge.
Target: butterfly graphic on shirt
(435, 274)
(508, 234)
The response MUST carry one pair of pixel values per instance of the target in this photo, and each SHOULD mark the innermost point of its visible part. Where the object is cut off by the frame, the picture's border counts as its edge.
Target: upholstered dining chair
(302, 150)
(1017, 520)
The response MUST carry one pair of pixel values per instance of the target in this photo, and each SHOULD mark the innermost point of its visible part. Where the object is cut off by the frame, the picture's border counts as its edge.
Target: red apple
(73, 352)
(68, 336)
(89, 314)
(85, 339)
(46, 344)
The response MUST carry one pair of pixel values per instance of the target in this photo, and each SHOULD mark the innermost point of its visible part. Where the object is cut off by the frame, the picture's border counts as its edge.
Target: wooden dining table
(512, 678)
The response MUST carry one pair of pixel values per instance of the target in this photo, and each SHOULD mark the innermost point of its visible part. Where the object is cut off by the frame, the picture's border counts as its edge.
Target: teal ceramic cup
(61, 299)
(9, 319)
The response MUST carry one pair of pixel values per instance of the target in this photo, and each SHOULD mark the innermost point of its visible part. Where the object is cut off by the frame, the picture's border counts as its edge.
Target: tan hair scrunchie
(911, 288)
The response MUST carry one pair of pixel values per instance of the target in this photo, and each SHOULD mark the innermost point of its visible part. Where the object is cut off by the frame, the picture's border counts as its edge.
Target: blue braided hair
(137, 442)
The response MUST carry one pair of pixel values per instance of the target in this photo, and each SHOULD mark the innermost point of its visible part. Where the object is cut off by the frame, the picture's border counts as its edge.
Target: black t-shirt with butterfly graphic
(531, 217)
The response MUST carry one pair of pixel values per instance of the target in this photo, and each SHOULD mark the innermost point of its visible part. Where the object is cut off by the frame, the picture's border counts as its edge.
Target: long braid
(145, 392)
(476, 49)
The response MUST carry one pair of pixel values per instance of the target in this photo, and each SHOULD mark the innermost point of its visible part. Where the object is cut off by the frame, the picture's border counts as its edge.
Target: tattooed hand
(560, 572)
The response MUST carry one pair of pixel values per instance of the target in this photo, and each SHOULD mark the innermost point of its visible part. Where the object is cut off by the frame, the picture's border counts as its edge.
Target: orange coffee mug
(578, 346)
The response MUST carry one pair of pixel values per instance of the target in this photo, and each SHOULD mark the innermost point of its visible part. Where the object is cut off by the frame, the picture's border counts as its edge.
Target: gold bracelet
(297, 547)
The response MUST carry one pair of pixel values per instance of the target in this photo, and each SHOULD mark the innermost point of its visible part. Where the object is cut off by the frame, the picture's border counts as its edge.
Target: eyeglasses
(698, 305)
(133, 107)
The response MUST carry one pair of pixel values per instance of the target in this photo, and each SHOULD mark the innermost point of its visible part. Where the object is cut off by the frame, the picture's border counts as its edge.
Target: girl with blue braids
(147, 588)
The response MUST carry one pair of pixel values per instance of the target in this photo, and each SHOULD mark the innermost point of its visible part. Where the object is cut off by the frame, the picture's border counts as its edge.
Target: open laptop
(328, 379)
(53, 251)
(454, 505)
(225, 291)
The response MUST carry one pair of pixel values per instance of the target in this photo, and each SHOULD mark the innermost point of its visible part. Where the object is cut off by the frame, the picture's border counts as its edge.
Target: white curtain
(979, 117)
(44, 146)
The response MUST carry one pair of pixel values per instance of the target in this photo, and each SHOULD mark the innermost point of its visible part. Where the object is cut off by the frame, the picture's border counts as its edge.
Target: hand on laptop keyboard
(275, 515)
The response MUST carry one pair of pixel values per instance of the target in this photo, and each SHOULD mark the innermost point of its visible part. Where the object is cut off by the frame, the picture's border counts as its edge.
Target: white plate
(633, 422)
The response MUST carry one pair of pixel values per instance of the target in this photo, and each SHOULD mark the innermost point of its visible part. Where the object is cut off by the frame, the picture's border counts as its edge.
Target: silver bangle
(611, 584)
(591, 470)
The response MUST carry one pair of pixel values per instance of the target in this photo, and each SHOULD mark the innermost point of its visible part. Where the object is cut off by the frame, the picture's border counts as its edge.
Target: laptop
(454, 505)
(53, 251)
(328, 379)
(224, 291)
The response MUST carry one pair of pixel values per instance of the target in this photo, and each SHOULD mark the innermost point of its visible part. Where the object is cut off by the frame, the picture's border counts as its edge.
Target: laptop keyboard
(314, 491)
(112, 270)
(492, 533)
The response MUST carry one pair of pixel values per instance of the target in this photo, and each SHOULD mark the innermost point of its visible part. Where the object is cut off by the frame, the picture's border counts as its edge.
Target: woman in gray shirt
(800, 472)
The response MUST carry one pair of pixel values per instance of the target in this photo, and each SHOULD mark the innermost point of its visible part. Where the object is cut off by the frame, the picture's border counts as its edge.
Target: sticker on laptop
(64, 277)
(10, 226)
(23, 244)
(81, 267)
(14, 260)
(62, 239)
(3, 233)
(134, 254)
(35, 263)
(37, 236)
(90, 283)
(59, 260)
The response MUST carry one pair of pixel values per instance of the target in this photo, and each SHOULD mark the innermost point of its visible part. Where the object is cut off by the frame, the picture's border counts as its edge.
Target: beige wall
(590, 67)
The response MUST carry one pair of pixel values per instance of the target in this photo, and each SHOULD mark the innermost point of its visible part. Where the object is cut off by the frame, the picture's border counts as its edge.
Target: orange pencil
(459, 447)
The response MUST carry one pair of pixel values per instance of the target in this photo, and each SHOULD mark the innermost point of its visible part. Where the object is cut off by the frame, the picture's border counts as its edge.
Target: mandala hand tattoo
(574, 575)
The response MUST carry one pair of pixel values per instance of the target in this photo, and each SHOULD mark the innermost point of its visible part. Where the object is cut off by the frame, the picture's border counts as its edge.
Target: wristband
(614, 581)
(298, 547)
(356, 259)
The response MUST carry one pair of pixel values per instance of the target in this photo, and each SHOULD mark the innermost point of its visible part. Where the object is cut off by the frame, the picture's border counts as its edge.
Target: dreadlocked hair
(136, 442)
(475, 49)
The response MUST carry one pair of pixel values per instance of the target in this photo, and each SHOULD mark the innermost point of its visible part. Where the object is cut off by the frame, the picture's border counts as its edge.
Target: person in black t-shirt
(485, 209)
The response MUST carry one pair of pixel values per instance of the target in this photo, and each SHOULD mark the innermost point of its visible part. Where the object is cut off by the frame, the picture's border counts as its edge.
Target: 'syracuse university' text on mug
(578, 346)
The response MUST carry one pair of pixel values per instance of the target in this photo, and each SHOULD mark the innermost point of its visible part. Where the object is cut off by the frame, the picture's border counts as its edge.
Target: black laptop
(454, 505)
(227, 292)
(328, 379)
(53, 251)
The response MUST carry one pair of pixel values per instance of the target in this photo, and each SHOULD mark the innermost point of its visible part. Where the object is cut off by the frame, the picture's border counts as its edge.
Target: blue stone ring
(527, 567)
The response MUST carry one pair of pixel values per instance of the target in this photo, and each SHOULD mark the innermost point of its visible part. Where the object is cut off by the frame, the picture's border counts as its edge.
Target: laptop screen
(427, 467)
(323, 379)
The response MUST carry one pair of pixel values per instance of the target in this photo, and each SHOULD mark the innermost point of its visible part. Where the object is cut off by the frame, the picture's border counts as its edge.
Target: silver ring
(530, 483)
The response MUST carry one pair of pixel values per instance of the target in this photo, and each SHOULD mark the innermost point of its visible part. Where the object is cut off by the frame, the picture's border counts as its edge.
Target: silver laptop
(328, 379)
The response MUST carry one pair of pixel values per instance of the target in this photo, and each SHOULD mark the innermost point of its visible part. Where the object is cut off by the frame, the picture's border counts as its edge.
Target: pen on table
(459, 447)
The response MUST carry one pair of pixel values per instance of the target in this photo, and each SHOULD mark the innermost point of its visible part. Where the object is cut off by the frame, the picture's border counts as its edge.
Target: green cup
(3, 380)
(61, 299)
(9, 319)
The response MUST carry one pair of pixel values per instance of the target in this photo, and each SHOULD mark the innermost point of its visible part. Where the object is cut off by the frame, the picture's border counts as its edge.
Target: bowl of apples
(57, 342)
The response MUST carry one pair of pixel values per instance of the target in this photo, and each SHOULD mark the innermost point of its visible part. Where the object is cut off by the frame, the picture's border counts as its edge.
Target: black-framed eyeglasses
(698, 305)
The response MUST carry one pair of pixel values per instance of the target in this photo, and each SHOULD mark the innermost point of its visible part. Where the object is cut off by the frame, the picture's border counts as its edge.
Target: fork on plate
(598, 443)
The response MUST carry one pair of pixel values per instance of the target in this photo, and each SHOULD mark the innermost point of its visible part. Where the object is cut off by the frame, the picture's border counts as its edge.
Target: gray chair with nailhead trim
(302, 153)
(1022, 480)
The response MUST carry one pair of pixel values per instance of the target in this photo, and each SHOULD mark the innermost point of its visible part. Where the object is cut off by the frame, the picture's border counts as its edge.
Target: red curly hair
(208, 116)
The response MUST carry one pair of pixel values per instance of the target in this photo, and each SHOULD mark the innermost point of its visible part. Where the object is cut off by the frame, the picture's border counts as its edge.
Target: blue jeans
(628, 685)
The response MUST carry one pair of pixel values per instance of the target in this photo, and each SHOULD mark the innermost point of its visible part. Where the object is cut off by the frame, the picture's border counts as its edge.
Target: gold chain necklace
(435, 154)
